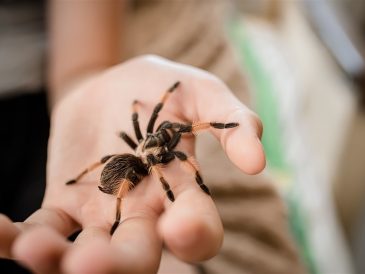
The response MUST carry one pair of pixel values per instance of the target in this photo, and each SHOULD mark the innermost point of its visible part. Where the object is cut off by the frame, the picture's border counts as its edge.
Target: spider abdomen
(123, 166)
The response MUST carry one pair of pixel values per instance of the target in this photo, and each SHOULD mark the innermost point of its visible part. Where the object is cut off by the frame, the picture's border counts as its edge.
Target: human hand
(83, 129)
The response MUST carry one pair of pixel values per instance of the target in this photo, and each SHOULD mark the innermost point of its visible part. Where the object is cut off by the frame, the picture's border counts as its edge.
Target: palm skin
(84, 128)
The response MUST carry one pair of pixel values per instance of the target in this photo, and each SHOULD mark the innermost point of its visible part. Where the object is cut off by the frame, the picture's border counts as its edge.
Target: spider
(123, 172)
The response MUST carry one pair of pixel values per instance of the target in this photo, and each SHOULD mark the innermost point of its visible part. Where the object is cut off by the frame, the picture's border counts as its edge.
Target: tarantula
(123, 172)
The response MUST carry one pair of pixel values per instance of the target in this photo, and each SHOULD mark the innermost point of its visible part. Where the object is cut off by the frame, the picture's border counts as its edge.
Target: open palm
(84, 128)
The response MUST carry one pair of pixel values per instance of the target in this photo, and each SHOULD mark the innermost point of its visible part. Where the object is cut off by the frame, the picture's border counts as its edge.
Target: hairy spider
(123, 172)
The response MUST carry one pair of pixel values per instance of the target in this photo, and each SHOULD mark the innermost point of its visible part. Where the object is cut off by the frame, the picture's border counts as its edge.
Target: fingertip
(21, 250)
(4, 218)
(246, 152)
(8, 233)
(242, 143)
(192, 240)
(137, 235)
(39, 248)
(95, 257)
(254, 157)
(193, 232)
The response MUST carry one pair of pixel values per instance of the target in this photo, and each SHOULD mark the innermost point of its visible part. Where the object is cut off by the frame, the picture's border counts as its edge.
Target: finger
(134, 248)
(137, 243)
(91, 253)
(54, 218)
(40, 249)
(93, 233)
(8, 232)
(91, 257)
(215, 103)
(191, 227)
(203, 97)
(242, 144)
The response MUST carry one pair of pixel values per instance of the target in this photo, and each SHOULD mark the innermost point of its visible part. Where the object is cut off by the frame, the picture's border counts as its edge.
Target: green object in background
(267, 107)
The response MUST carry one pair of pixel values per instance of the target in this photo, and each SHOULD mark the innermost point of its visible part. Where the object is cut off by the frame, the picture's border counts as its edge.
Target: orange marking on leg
(190, 165)
(135, 106)
(164, 97)
(199, 126)
(124, 188)
(93, 166)
(81, 174)
(156, 171)
(187, 166)
(122, 191)
(193, 162)
(90, 168)
(165, 185)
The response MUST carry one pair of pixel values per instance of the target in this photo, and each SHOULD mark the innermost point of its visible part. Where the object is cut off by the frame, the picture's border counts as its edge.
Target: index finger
(200, 97)
(214, 102)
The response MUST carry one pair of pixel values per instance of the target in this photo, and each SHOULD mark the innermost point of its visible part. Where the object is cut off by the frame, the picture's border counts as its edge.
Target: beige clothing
(257, 238)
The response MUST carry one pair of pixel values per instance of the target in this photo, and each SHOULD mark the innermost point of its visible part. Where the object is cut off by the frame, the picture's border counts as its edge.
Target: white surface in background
(316, 106)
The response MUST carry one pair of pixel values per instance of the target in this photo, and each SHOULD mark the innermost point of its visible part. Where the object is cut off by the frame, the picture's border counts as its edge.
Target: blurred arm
(84, 39)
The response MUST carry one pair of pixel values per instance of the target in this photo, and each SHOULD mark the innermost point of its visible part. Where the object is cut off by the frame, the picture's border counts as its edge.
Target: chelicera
(123, 172)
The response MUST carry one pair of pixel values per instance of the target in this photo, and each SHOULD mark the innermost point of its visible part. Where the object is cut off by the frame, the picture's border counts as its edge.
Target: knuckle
(257, 124)
(149, 58)
(209, 81)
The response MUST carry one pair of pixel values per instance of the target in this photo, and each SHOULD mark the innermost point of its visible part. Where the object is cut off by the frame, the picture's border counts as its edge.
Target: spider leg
(156, 170)
(165, 128)
(171, 141)
(190, 128)
(184, 159)
(167, 157)
(137, 129)
(162, 125)
(198, 126)
(128, 140)
(159, 106)
(125, 186)
(175, 139)
(165, 136)
(90, 168)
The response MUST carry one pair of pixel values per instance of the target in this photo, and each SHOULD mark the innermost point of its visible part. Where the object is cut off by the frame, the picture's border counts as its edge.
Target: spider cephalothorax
(122, 172)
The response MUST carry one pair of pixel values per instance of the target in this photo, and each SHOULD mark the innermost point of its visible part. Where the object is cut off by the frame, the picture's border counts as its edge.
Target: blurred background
(301, 63)
(305, 65)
